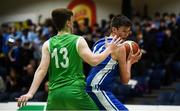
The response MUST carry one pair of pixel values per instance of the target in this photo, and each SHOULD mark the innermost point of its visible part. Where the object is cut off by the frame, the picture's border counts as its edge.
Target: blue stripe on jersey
(105, 74)
(101, 43)
(109, 71)
(96, 100)
(105, 100)
(102, 75)
(110, 102)
(100, 80)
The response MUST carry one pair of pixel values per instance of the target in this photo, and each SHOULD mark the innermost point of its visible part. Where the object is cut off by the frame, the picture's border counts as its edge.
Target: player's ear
(113, 29)
(68, 23)
(130, 32)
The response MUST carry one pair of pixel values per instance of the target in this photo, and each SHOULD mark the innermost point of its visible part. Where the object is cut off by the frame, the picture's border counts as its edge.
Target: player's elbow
(125, 80)
(41, 70)
(94, 62)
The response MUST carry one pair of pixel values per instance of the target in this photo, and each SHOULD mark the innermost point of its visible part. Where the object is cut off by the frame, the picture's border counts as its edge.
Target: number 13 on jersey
(65, 62)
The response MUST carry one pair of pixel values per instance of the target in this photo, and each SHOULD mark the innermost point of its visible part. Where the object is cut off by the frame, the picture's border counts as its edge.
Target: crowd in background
(21, 42)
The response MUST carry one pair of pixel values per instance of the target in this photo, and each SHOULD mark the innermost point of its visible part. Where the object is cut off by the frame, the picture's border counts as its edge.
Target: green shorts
(70, 98)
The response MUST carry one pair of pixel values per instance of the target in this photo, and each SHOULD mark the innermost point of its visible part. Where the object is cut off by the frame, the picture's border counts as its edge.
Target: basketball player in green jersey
(63, 55)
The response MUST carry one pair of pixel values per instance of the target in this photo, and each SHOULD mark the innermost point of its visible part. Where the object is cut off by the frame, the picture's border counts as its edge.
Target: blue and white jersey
(101, 79)
(103, 75)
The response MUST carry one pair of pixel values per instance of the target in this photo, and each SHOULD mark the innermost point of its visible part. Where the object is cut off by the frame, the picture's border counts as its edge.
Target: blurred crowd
(21, 42)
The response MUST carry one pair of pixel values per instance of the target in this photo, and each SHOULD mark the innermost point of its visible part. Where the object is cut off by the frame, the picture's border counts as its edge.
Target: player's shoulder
(46, 45)
(119, 52)
(74, 35)
(46, 42)
(100, 41)
(103, 39)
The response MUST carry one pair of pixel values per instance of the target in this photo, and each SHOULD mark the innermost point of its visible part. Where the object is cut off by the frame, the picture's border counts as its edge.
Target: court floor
(40, 106)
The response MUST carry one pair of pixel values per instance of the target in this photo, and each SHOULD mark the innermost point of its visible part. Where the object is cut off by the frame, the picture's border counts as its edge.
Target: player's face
(123, 32)
(70, 23)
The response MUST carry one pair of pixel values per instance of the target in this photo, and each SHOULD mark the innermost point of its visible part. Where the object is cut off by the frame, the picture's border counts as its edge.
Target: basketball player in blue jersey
(102, 76)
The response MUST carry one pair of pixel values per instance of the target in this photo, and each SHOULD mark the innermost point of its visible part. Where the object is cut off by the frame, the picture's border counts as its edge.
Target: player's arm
(94, 59)
(38, 77)
(124, 67)
(41, 70)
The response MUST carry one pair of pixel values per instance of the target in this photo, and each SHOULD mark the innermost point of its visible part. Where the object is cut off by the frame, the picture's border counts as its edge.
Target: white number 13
(64, 52)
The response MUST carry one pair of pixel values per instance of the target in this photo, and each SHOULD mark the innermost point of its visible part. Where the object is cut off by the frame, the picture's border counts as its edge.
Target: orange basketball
(131, 46)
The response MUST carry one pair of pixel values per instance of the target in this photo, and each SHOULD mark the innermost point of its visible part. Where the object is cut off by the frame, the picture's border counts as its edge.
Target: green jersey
(66, 79)
(65, 64)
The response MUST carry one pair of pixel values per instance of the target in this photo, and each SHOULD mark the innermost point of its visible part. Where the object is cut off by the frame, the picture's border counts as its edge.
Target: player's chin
(124, 39)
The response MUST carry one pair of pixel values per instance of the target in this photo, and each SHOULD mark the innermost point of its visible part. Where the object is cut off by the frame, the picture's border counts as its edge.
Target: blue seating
(177, 87)
(165, 98)
(176, 68)
(142, 85)
(176, 100)
(156, 77)
(122, 92)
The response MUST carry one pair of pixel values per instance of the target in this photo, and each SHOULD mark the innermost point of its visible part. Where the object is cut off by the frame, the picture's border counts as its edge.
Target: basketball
(131, 46)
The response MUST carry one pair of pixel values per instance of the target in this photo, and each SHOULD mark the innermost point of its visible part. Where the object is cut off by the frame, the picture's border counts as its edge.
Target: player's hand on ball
(22, 100)
(133, 58)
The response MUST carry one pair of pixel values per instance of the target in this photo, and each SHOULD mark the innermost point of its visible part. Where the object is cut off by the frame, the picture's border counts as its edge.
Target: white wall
(23, 9)
(106, 7)
(17, 10)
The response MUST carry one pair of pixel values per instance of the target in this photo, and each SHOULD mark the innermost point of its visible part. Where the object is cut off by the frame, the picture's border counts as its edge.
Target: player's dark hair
(60, 17)
(120, 20)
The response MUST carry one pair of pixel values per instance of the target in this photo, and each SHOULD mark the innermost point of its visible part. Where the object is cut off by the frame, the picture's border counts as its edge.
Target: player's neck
(112, 35)
(64, 31)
